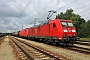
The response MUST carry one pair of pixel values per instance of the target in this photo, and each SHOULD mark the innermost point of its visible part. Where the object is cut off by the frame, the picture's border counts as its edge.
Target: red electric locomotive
(55, 31)
(24, 33)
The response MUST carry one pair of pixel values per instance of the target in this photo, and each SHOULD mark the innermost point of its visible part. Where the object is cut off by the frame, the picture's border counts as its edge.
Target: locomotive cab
(64, 30)
(69, 31)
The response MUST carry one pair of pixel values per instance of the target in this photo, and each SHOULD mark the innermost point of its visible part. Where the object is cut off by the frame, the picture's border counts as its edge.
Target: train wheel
(57, 43)
(40, 40)
(63, 43)
(53, 41)
(71, 44)
(67, 44)
(47, 41)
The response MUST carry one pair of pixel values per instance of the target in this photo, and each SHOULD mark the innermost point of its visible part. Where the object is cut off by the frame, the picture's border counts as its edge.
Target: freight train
(57, 31)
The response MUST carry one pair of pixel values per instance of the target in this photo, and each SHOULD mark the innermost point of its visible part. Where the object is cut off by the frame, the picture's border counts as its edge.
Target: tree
(78, 22)
(87, 28)
(67, 15)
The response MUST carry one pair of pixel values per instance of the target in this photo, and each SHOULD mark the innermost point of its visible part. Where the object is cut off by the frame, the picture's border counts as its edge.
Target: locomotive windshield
(67, 24)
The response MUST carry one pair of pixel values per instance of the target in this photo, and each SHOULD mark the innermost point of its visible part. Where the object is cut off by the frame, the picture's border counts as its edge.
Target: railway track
(84, 40)
(79, 49)
(1, 39)
(82, 46)
(87, 43)
(31, 52)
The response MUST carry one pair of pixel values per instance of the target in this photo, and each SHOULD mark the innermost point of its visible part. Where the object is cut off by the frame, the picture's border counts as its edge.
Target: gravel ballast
(66, 53)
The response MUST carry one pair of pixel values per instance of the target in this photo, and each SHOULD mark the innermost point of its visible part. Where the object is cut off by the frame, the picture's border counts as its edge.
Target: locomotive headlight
(65, 31)
(73, 30)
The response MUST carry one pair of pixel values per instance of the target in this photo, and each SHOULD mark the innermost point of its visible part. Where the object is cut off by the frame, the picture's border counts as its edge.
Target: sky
(20, 14)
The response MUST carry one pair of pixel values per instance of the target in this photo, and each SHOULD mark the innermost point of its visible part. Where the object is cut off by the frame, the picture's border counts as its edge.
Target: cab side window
(54, 25)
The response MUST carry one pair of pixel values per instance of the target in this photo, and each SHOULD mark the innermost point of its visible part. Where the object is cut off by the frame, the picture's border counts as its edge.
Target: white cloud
(10, 11)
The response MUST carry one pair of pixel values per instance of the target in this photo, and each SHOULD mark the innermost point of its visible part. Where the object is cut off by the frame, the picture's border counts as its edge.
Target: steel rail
(28, 55)
(53, 55)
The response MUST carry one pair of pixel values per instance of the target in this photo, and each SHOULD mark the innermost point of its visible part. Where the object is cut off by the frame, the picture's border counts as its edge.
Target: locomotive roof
(64, 20)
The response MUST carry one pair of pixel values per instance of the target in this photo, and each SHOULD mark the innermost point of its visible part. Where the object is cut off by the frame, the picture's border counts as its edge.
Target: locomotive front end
(69, 32)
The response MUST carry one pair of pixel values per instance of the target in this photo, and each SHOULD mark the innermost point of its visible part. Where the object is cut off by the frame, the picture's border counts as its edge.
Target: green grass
(87, 39)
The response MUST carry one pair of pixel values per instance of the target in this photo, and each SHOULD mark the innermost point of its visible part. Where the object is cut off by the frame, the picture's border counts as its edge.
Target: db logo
(69, 30)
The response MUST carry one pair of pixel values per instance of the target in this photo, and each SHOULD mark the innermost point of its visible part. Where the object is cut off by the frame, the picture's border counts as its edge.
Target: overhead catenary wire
(17, 16)
(84, 8)
(56, 9)
(49, 4)
(24, 9)
(45, 7)
(62, 7)
(84, 11)
(20, 5)
(67, 4)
